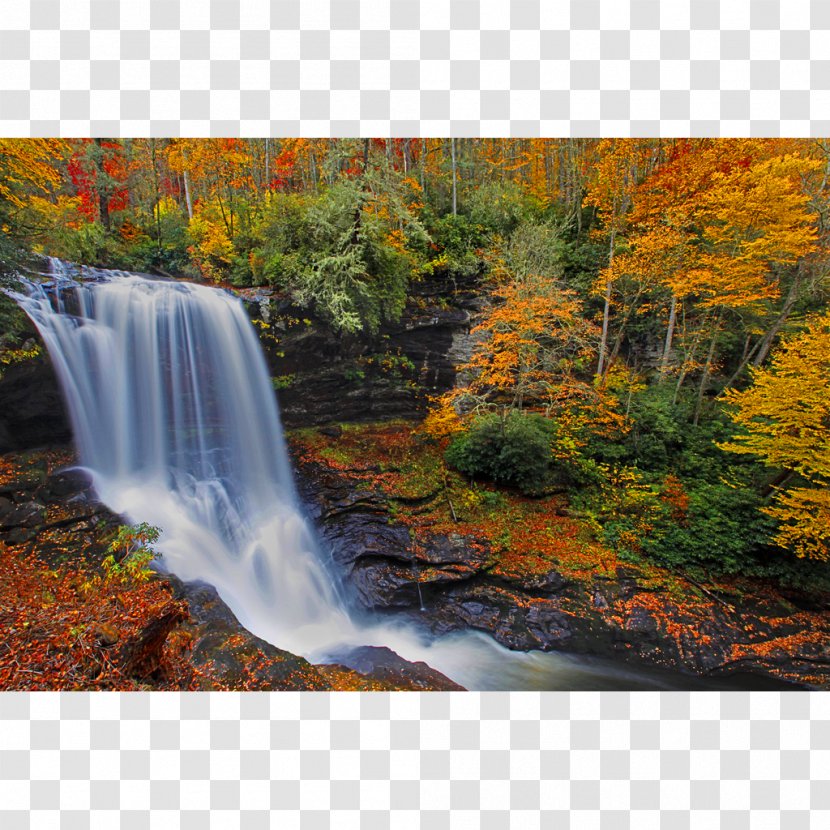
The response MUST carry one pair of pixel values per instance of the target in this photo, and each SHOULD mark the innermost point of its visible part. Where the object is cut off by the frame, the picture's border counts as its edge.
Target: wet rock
(67, 484)
(28, 515)
(385, 665)
(32, 411)
(384, 585)
(641, 621)
(548, 583)
(456, 550)
(333, 376)
(233, 656)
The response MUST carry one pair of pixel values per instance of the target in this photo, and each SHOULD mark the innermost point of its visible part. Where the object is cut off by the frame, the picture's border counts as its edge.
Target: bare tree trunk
(704, 380)
(664, 360)
(606, 311)
(758, 354)
(312, 163)
(187, 196)
(769, 338)
(156, 205)
(102, 185)
(689, 356)
(267, 164)
(454, 188)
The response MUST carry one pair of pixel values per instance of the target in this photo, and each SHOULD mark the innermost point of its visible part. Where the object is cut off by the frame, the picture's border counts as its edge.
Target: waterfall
(174, 414)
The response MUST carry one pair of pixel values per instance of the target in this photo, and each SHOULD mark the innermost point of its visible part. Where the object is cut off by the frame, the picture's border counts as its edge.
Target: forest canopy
(655, 331)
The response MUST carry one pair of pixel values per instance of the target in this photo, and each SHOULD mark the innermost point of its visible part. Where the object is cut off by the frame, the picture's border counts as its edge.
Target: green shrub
(514, 449)
(721, 530)
(131, 553)
(500, 207)
(458, 239)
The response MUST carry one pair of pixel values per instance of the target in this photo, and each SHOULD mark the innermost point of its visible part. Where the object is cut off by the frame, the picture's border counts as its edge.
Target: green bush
(500, 207)
(721, 530)
(514, 449)
(458, 238)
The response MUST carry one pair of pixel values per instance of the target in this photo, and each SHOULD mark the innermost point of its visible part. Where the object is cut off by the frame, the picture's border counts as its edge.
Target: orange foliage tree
(534, 349)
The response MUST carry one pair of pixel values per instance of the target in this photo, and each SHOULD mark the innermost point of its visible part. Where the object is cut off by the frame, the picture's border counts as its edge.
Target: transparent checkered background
(489, 760)
(415, 67)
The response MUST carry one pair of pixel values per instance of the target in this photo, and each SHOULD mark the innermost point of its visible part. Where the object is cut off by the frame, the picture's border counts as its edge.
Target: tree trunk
(687, 359)
(777, 483)
(758, 354)
(454, 188)
(704, 380)
(664, 360)
(769, 338)
(267, 164)
(187, 196)
(407, 156)
(101, 185)
(142, 655)
(606, 311)
(157, 195)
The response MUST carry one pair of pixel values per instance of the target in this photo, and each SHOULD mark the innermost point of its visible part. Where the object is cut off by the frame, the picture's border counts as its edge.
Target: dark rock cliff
(32, 409)
(322, 376)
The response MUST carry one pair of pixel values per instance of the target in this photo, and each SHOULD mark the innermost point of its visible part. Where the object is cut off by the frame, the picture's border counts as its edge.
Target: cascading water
(173, 412)
(174, 415)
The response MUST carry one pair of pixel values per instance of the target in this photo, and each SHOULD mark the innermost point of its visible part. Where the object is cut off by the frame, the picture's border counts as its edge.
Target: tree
(534, 351)
(27, 168)
(785, 417)
(616, 172)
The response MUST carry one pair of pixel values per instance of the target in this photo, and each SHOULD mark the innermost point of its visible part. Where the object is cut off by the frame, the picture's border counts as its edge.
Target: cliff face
(322, 376)
(443, 581)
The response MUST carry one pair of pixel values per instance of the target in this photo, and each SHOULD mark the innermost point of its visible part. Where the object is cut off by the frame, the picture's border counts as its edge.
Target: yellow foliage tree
(619, 166)
(212, 248)
(28, 166)
(786, 419)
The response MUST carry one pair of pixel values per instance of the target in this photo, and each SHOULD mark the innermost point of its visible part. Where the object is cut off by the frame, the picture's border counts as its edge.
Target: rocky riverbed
(407, 555)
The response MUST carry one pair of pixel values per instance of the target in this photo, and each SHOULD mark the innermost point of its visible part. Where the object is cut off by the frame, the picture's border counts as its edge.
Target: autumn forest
(588, 380)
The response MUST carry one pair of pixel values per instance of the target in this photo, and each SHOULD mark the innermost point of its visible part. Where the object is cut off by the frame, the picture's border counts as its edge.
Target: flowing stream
(175, 417)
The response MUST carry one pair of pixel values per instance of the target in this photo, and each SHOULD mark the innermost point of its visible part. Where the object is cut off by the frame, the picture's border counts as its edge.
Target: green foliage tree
(131, 553)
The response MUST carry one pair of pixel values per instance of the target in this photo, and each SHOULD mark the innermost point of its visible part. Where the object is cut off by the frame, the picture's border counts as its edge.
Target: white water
(174, 415)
